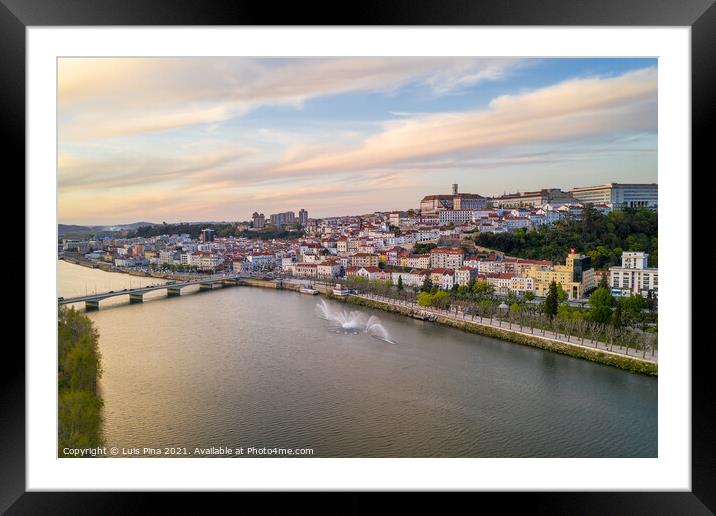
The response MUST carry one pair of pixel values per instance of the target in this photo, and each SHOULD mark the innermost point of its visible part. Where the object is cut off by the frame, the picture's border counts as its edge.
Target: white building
(448, 258)
(620, 195)
(261, 260)
(464, 275)
(634, 276)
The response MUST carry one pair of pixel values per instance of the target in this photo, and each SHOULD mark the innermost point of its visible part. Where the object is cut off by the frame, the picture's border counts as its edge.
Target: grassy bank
(623, 362)
(80, 407)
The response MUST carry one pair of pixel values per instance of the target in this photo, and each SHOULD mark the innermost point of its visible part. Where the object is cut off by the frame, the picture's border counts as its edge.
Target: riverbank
(79, 369)
(107, 267)
(546, 342)
(632, 364)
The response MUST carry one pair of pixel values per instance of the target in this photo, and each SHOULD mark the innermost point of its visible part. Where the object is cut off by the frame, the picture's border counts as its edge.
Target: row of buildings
(385, 245)
(280, 219)
(357, 254)
(612, 195)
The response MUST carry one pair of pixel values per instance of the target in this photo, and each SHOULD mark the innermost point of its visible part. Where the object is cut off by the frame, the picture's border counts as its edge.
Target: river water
(254, 367)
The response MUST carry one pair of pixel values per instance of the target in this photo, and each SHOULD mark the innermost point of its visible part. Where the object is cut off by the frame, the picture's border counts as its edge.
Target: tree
(427, 284)
(400, 282)
(617, 316)
(483, 287)
(529, 295)
(440, 299)
(601, 302)
(602, 237)
(551, 303)
(562, 295)
(424, 299)
(420, 248)
(634, 307)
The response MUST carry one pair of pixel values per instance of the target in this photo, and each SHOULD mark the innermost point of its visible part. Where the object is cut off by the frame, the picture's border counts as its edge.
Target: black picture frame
(700, 15)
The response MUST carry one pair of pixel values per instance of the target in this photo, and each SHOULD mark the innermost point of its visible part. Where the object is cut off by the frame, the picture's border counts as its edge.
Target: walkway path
(516, 328)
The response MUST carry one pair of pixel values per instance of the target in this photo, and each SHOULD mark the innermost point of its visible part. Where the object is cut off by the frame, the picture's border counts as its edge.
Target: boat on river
(308, 289)
(340, 291)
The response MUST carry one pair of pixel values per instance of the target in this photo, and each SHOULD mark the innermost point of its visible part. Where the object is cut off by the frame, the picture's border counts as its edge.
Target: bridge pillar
(136, 298)
(229, 282)
(209, 285)
(173, 291)
(91, 306)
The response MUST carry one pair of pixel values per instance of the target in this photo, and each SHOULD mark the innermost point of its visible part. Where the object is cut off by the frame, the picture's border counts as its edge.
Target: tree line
(222, 230)
(79, 368)
(602, 237)
(630, 322)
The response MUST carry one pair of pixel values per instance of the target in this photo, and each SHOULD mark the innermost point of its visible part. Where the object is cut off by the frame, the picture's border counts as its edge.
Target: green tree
(420, 248)
(601, 302)
(425, 299)
(617, 319)
(562, 295)
(79, 420)
(483, 287)
(551, 303)
(440, 299)
(79, 367)
(400, 282)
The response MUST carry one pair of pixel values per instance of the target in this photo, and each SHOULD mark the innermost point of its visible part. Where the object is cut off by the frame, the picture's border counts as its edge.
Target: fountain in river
(353, 321)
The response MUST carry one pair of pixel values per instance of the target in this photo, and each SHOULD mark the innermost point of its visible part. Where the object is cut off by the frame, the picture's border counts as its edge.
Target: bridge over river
(173, 288)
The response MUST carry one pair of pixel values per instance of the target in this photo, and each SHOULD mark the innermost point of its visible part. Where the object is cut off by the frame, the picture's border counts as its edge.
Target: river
(255, 367)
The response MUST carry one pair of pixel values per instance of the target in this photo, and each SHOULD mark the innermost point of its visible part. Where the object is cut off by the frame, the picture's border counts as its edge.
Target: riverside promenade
(460, 316)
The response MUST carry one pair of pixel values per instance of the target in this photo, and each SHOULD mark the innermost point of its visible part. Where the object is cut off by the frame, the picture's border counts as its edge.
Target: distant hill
(67, 229)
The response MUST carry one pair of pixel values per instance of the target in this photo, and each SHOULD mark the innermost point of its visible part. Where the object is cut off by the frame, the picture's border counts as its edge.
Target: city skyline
(166, 139)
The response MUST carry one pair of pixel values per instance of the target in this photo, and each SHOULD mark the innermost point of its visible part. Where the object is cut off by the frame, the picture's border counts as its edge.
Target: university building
(620, 195)
(434, 204)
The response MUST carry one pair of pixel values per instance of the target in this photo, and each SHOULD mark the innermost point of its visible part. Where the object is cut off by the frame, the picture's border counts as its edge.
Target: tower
(454, 189)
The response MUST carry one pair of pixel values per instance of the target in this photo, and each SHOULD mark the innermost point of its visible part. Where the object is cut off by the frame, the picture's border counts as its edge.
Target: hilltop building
(303, 217)
(282, 219)
(620, 195)
(259, 220)
(551, 196)
(433, 204)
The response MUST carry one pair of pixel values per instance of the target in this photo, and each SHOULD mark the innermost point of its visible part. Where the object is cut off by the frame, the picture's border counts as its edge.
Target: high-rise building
(259, 220)
(281, 219)
(206, 235)
(303, 217)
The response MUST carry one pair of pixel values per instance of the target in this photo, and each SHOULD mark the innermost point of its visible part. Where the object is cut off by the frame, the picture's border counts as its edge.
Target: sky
(215, 139)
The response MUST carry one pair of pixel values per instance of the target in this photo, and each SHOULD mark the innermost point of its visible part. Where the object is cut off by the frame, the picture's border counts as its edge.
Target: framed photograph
(418, 250)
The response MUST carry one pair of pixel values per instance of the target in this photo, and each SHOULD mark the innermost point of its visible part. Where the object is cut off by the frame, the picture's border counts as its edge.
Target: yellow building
(576, 276)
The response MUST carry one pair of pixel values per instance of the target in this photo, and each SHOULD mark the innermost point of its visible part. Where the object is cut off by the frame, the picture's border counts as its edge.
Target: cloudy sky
(198, 139)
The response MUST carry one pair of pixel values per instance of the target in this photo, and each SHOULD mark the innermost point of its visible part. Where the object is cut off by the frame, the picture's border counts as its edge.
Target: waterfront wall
(632, 364)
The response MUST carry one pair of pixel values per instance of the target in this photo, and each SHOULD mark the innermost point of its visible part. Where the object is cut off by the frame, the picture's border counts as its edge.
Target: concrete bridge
(173, 288)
